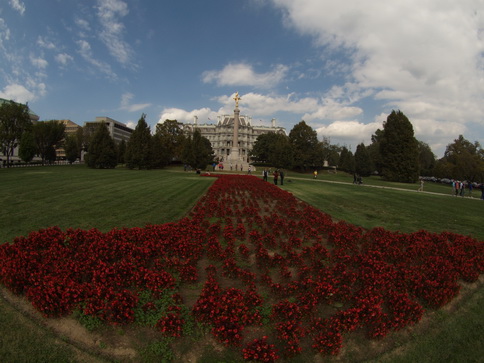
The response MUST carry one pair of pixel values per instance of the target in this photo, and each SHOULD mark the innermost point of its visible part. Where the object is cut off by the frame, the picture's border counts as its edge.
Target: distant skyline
(342, 66)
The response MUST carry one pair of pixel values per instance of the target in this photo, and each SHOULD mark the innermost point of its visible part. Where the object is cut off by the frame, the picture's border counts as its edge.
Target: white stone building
(221, 136)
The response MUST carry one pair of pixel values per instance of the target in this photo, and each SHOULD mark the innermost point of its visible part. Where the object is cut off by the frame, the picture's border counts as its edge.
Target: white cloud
(38, 62)
(45, 43)
(4, 32)
(180, 115)
(348, 132)
(17, 93)
(425, 58)
(86, 53)
(125, 103)
(63, 58)
(18, 6)
(83, 24)
(242, 74)
(109, 13)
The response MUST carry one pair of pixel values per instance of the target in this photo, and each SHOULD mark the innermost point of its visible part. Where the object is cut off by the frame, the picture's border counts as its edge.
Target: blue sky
(341, 66)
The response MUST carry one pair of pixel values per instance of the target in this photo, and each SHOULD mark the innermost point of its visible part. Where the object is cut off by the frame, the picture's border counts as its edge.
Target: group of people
(278, 174)
(459, 188)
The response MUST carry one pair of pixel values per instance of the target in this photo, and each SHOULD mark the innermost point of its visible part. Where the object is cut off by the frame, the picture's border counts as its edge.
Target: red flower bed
(320, 280)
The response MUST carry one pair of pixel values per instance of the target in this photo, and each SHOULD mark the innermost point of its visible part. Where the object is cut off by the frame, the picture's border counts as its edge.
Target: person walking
(264, 174)
(276, 175)
(315, 173)
(420, 189)
(281, 175)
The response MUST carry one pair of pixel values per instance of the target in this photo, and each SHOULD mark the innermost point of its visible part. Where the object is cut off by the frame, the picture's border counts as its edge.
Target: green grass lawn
(406, 211)
(78, 197)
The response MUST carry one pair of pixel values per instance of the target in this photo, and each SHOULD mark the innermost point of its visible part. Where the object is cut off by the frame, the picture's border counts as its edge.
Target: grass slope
(77, 197)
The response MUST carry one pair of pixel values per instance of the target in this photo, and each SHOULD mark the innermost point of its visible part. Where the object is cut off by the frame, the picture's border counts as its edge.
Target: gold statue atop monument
(237, 99)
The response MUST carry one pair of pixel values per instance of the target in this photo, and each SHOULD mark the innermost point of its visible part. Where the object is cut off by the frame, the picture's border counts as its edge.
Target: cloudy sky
(341, 66)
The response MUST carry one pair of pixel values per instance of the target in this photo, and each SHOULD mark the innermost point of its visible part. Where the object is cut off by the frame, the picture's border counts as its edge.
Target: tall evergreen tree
(347, 160)
(197, 151)
(160, 155)
(138, 148)
(102, 149)
(374, 150)
(306, 147)
(399, 149)
(363, 164)
(121, 150)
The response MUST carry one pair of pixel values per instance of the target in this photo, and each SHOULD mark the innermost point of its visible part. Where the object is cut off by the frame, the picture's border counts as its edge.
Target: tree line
(394, 153)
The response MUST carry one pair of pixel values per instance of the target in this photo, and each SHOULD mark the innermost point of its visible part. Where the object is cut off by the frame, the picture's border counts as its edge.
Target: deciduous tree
(463, 160)
(426, 159)
(71, 148)
(27, 149)
(306, 147)
(172, 137)
(14, 120)
(48, 135)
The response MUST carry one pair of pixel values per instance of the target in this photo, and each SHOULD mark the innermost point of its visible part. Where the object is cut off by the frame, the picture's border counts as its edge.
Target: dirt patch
(89, 346)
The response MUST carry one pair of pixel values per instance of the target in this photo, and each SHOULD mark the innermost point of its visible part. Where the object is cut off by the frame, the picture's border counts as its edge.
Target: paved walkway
(381, 187)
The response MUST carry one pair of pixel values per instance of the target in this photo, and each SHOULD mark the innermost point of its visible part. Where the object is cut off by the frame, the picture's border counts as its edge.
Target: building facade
(117, 130)
(221, 136)
(71, 128)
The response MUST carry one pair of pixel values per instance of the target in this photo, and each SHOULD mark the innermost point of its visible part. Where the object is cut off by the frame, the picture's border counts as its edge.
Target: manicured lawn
(78, 197)
(396, 210)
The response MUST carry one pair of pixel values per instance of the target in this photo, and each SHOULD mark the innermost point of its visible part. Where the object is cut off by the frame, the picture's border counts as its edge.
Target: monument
(232, 137)
(234, 156)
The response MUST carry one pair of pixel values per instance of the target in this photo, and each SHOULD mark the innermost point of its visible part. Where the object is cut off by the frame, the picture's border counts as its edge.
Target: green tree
(274, 149)
(172, 137)
(374, 150)
(330, 152)
(306, 147)
(71, 148)
(14, 120)
(197, 151)
(121, 151)
(48, 136)
(261, 151)
(281, 154)
(463, 160)
(102, 149)
(159, 152)
(426, 159)
(27, 149)
(363, 164)
(139, 146)
(347, 160)
(399, 149)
